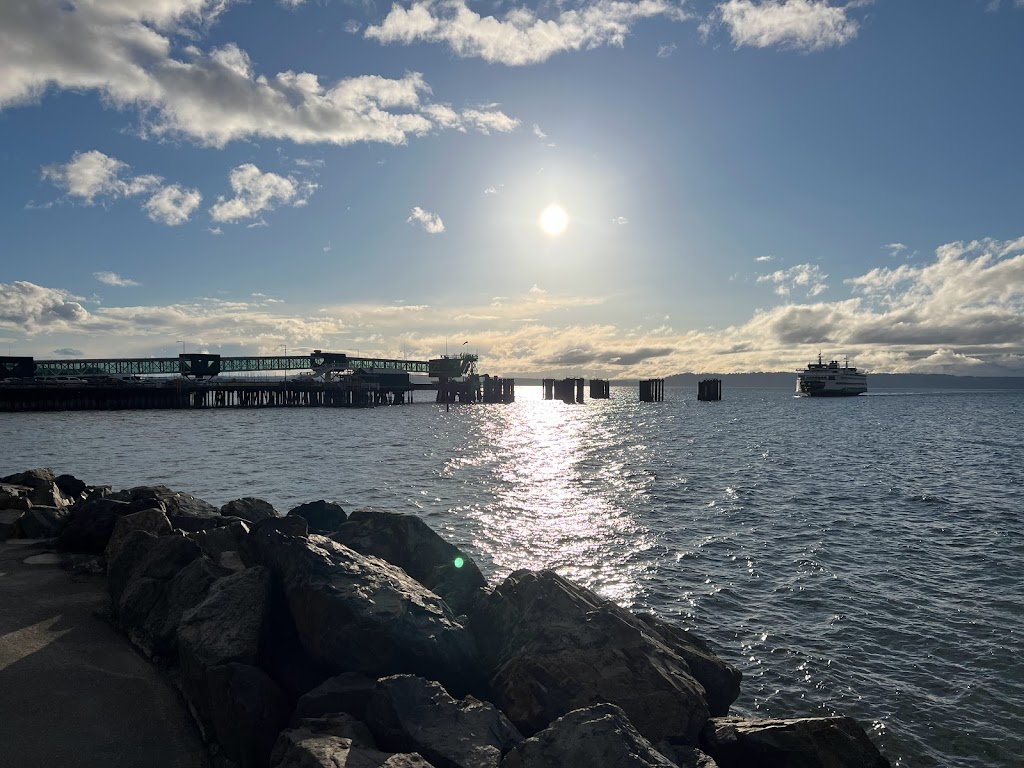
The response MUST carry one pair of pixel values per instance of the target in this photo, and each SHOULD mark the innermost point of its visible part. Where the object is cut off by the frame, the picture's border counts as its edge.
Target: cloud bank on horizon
(180, 165)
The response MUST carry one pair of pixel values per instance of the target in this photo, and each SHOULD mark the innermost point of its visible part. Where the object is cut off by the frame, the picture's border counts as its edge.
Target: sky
(615, 188)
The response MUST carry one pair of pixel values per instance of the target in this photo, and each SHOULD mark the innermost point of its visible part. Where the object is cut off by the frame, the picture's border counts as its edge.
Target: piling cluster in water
(326, 638)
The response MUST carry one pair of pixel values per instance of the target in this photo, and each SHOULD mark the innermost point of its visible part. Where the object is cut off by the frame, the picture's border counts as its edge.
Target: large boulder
(348, 692)
(43, 522)
(550, 646)
(33, 478)
(196, 523)
(226, 627)
(72, 488)
(409, 543)
(321, 516)
(721, 681)
(152, 521)
(249, 710)
(360, 614)
(600, 735)
(289, 526)
(92, 522)
(250, 509)
(227, 545)
(14, 497)
(176, 504)
(806, 742)
(143, 556)
(10, 523)
(410, 714)
(40, 487)
(336, 742)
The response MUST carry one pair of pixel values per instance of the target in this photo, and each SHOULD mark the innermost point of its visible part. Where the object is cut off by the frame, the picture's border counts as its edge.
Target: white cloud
(804, 25)
(620, 220)
(806, 277)
(491, 191)
(92, 174)
(520, 37)
(538, 132)
(431, 221)
(666, 49)
(32, 307)
(764, 258)
(68, 351)
(895, 249)
(256, 191)
(173, 205)
(114, 279)
(126, 52)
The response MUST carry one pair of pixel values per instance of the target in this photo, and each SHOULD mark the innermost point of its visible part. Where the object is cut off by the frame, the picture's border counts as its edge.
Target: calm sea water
(860, 556)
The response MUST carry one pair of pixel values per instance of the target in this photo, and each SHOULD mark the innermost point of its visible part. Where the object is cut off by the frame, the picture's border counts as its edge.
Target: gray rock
(409, 543)
(13, 497)
(685, 757)
(550, 646)
(347, 693)
(721, 681)
(335, 742)
(43, 522)
(9, 523)
(71, 487)
(33, 478)
(249, 710)
(410, 714)
(249, 509)
(196, 523)
(152, 521)
(176, 504)
(322, 516)
(226, 627)
(596, 736)
(92, 523)
(360, 614)
(289, 526)
(807, 742)
(225, 545)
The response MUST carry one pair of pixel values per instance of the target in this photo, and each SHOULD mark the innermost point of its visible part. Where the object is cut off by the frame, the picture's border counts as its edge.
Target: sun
(554, 220)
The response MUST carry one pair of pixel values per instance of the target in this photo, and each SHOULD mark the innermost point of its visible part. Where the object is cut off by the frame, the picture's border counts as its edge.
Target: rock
(152, 521)
(226, 627)
(409, 543)
(721, 681)
(71, 486)
(225, 545)
(196, 523)
(685, 757)
(249, 710)
(9, 523)
(359, 614)
(289, 526)
(409, 714)
(33, 478)
(348, 692)
(321, 516)
(550, 646)
(176, 504)
(600, 735)
(808, 742)
(92, 523)
(12, 497)
(335, 742)
(249, 509)
(43, 522)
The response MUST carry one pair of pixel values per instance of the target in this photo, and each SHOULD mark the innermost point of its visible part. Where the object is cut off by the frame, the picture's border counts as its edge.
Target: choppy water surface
(859, 556)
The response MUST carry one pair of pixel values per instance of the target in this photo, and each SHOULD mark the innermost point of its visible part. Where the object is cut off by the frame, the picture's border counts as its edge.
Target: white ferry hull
(830, 380)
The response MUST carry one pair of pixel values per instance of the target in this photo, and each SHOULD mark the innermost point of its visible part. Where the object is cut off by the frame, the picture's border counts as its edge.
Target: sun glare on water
(554, 220)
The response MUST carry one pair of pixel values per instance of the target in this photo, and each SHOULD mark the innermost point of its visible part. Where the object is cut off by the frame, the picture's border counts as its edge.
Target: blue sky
(743, 182)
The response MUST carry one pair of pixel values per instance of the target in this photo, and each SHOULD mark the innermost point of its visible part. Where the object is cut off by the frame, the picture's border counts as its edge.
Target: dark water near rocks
(860, 556)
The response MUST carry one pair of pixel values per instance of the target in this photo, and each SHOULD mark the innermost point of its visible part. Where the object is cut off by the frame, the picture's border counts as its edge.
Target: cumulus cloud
(256, 191)
(32, 307)
(802, 277)
(803, 25)
(895, 249)
(173, 205)
(519, 37)
(431, 222)
(114, 279)
(128, 52)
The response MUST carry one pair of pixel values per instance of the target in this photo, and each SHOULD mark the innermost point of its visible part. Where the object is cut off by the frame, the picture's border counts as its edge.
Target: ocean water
(860, 556)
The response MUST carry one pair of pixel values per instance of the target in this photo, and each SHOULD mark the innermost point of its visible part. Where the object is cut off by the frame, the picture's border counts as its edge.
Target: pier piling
(709, 389)
(652, 390)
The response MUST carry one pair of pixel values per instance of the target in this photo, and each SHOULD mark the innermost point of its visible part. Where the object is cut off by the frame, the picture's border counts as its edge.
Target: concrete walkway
(72, 690)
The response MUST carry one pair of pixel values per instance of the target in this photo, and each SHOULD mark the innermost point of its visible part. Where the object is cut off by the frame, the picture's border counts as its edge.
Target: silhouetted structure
(709, 389)
(652, 390)
(600, 389)
(566, 390)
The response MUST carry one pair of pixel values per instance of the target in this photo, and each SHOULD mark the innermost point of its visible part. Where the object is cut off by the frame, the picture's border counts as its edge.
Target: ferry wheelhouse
(830, 380)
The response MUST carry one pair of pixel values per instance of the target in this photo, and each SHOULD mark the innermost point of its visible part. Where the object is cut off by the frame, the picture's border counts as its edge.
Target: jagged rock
(42, 477)
(289, 526)
(360, 614)
(176, 504)
(721, 681)
(550, 646)
(227, 545)
(322, 516)
(335, 742)
(226, 627)
(600, 735)
(43, 522)
(409, 543)
(807, 742)
(92, 523)
(249, 508)
(685, 757)
(71, 486)
(41, 487)
(9, 527)
(409, 714)
(196, 523)
(249, 710)
(152, 521)
(348, 692)
(13, 497)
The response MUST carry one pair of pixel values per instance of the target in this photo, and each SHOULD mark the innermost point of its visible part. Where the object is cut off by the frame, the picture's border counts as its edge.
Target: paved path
(73, 692)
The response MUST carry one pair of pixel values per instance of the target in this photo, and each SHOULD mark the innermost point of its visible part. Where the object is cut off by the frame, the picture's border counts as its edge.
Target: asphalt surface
(73, 692)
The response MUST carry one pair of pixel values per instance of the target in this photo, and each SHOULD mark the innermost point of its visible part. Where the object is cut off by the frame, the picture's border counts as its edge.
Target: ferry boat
(830, 380)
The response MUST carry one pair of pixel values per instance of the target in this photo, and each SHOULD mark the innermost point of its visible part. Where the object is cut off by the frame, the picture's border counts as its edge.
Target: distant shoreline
(876, 381)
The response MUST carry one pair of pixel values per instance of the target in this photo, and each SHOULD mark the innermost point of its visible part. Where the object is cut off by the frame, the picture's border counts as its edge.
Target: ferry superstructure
(830, 380)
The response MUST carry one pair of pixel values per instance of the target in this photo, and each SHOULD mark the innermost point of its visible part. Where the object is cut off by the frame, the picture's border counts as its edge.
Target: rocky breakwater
(320, 638)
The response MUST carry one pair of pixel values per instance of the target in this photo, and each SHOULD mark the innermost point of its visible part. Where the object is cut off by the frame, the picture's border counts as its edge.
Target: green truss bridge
(199, 365)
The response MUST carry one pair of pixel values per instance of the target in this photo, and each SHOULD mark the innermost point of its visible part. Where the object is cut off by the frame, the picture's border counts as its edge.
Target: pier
(709, 390)
(567, 390)
(652, 390)
(600, 389)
